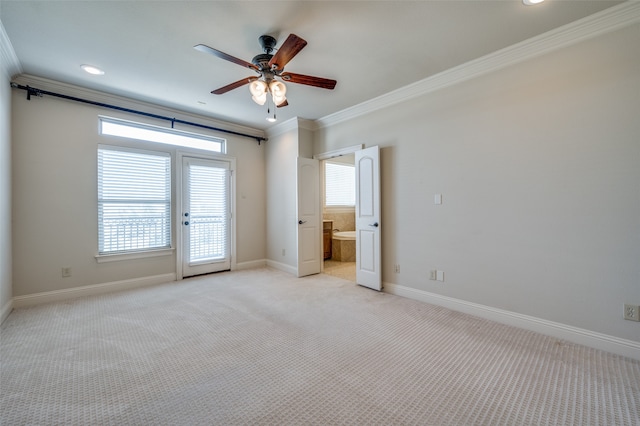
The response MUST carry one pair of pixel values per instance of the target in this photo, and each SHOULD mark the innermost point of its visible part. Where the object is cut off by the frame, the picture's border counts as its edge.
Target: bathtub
(343, 246)
(345, 235)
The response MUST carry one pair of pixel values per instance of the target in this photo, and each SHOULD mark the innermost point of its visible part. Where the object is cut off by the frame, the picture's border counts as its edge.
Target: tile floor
(346, 270)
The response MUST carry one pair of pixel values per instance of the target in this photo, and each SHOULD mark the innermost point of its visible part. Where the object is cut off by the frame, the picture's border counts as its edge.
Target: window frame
(162, 130)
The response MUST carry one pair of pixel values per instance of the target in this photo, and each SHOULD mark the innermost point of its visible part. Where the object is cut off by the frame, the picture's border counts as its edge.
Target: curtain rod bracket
(31, 91)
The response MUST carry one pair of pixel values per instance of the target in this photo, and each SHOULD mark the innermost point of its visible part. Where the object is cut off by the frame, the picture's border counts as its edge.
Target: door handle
(375, 225)
(300, 222)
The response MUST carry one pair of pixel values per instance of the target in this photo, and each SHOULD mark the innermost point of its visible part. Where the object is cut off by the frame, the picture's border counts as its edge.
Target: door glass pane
(208, 213)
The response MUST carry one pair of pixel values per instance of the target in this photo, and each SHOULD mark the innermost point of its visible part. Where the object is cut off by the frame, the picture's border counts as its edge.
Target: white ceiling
(369, 47)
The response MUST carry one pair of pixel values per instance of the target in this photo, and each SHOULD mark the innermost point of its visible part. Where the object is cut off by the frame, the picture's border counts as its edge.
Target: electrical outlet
(440, 275)
(397, 268)
(284, 252)
(433, 275)
(66, 272)
(631, 312)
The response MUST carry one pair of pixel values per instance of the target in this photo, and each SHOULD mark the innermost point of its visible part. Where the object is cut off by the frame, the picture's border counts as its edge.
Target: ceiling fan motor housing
(268, 43)
(262, 61)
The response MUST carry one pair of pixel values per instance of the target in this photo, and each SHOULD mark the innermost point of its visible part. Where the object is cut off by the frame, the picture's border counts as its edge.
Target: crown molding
(606, 21)
(10, 63)
(102, 97)
(294, 123)
(281, 128)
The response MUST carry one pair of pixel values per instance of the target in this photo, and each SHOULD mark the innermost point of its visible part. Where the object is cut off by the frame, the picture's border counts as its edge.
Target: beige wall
(287, 142)
(5, 192)
(281, 212)
(538, 165)
(54, 203)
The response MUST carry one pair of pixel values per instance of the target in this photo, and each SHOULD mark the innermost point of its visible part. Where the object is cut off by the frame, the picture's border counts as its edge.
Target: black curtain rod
(32, 91)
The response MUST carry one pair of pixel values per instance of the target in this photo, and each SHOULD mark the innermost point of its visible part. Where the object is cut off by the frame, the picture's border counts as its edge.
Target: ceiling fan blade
(283, 104)
(324, 83)
(206, 49)
(290, 48)
(233, 85)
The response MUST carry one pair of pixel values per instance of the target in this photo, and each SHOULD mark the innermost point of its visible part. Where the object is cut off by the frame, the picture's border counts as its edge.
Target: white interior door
(206, 216)
(309, 232)
(368, 224)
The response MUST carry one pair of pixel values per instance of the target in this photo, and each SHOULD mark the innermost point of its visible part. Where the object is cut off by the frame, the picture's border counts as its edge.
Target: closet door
(309, 231)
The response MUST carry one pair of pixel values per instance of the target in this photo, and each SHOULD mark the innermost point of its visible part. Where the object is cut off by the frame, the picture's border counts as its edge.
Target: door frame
(328, 155)
(177, 207)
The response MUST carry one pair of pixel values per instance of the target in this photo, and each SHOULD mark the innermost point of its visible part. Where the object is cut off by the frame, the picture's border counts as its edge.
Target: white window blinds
(208, 224)
(134, 200)
(340, 184)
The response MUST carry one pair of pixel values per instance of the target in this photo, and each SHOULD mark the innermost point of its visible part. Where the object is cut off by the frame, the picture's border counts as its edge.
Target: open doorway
(339, 216)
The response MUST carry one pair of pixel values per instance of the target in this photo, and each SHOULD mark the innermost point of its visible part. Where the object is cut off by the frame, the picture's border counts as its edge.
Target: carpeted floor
(263, 347)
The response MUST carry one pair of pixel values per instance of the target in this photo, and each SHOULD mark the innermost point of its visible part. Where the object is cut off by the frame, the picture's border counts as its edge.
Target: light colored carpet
(263, 347)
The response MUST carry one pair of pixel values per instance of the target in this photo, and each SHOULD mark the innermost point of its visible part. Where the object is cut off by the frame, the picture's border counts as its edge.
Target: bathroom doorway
(339, 216)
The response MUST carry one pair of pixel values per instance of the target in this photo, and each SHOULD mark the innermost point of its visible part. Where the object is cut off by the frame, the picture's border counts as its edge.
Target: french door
(368, 271)
(206, 216)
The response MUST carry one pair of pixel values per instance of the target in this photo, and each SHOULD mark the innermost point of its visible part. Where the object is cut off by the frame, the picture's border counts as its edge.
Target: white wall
(539, 167)
(54, 195)
(5, 191)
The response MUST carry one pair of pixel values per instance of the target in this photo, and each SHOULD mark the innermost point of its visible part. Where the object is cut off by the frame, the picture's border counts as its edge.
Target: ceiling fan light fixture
(91, 69)
(278, 91)
(260, 100)
(258, 89)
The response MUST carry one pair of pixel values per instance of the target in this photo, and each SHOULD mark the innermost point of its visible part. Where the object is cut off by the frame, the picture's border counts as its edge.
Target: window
(134, 200)
(146, 132)
(339, 184)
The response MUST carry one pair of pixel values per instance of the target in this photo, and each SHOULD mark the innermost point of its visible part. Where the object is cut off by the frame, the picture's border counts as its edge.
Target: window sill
(104, 258)
(340, 209)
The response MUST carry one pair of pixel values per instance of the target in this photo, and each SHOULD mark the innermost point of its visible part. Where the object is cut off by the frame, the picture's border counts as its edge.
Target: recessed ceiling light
(92, 70)
(531, 2)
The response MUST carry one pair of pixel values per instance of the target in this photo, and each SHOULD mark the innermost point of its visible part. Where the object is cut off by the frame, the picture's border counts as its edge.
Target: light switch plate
(437, 199)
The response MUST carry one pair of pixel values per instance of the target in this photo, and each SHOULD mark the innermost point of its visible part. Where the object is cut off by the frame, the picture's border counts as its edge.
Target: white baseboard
(6, 310)
(282, 267)
(90, 290)
(627, 348)
(251, 264)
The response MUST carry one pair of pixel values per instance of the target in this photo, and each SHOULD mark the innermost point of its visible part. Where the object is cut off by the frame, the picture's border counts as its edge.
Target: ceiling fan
(270, 70)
